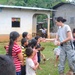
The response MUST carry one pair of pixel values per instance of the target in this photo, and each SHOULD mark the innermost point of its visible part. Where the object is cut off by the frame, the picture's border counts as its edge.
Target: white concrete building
(18, 18)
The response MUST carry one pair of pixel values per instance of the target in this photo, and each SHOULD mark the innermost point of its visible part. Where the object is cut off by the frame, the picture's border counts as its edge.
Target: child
(38, 38)
(14, 50)
(73, 37)
(38, 47)
(30, 66)
(6, 66)
(33, 45)
(56, 53)
(25, 35)
(24, 44)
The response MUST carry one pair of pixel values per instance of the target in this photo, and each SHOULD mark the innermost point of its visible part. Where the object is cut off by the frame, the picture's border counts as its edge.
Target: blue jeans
(18, 73)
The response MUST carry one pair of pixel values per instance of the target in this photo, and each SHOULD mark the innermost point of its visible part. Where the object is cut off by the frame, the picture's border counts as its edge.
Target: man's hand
(57, 43)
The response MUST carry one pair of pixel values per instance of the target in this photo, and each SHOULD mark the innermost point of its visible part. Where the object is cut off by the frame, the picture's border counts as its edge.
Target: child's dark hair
(29, 51)
(73, 30)
(61, 19)
(24, 34)
(13, 36)
(37, 37)
(33, 43)
(23, 41)
(6, 65)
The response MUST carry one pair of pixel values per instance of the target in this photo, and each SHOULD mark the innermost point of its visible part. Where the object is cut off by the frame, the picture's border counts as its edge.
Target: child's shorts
(57, 51)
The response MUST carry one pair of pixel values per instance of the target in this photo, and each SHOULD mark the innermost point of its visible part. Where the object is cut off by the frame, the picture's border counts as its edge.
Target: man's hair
(61, 19)
(6, 65)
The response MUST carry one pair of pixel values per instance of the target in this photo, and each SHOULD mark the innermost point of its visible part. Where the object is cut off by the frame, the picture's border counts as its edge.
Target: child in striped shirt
(24, 44)
(14, 50)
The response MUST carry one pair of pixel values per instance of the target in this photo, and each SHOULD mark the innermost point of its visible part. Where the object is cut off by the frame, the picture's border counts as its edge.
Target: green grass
(2, 50)
(47, 68)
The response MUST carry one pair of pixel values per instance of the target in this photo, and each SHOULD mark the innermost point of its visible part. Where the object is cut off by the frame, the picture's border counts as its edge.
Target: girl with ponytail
(14, 50)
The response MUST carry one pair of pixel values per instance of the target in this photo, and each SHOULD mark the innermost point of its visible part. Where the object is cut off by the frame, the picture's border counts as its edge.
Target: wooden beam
(48, 29)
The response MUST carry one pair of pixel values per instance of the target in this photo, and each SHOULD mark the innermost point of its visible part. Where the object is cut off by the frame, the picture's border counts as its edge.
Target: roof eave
(27, 8)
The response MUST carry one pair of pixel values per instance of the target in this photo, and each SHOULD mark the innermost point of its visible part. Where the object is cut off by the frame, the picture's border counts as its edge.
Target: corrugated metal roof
(27, 8)
(62, 3)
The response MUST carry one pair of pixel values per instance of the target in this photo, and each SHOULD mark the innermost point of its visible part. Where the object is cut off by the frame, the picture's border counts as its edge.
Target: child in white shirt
(30, 66)
(56, 53)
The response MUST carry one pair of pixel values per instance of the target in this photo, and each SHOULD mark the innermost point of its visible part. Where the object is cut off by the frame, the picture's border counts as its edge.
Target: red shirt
(15, 51)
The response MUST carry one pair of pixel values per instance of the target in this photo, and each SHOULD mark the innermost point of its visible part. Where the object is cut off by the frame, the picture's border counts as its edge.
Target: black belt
(66, 43)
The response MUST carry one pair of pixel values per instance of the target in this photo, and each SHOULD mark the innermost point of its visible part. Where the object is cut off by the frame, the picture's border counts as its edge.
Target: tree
(35, 3)
(19, 2)
(10, 2)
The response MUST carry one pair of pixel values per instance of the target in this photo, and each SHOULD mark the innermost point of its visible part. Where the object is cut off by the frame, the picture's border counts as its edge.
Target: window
(15, 22)
(71, 20)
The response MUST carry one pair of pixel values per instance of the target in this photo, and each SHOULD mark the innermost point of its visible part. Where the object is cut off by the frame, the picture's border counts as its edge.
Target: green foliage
(19, 2)
(32, 3)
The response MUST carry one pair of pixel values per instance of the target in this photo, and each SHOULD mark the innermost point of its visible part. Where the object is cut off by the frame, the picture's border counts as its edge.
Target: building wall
(68, 12)
(26, 21)
(6, 16)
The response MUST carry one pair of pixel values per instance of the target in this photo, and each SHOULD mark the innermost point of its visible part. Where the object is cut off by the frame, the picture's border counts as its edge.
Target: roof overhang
(26, 8)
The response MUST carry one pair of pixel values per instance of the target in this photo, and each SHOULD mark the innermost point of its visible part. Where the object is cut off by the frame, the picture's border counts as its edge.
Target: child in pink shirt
(33, 45)
(35, 56)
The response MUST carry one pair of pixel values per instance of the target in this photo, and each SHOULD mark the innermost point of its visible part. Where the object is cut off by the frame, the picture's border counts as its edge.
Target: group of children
(26, 57)
(31, 49)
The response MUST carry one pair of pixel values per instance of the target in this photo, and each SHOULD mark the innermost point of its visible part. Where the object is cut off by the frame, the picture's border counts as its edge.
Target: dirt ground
(5, 38)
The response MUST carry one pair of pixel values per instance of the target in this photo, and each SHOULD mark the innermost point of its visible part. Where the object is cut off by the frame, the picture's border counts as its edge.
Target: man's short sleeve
(68, 28)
